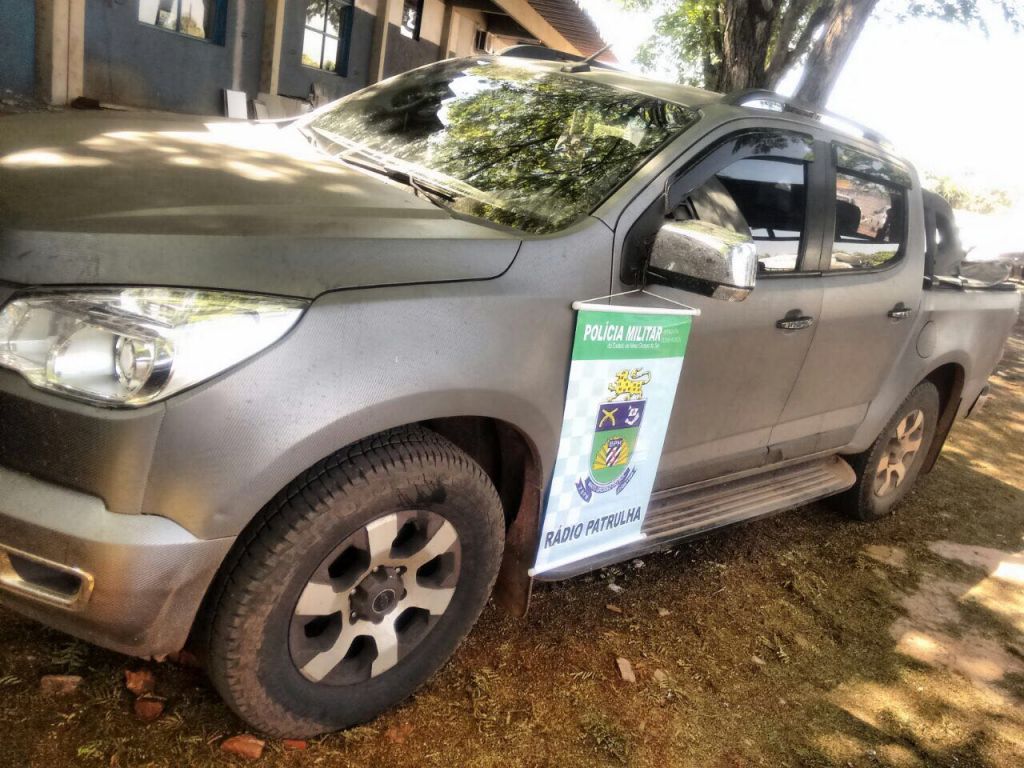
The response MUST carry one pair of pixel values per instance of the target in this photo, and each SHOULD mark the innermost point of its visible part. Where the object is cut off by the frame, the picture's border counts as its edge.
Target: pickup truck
(292, 392)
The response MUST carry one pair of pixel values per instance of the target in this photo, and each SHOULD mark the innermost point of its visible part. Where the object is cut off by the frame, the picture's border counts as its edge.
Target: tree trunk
(746, 27)
(829, 53)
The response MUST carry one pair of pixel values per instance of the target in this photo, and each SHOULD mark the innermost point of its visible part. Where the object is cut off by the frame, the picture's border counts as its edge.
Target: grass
(783, 645)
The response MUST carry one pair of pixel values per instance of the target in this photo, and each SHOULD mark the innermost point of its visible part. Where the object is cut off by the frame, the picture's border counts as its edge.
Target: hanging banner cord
(591, 304)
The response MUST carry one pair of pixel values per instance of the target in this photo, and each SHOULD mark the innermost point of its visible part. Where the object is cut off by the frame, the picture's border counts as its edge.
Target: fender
(366, 360)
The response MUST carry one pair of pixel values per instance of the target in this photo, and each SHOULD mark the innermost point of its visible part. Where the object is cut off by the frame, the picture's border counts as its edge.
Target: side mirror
(986, 273)
(704, 258)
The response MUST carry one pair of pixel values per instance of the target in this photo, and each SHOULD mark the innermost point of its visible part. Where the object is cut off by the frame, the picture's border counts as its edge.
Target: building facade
(181, 55)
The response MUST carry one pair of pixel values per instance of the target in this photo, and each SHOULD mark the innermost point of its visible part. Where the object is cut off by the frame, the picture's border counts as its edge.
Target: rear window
(869, 223)
(870, 211)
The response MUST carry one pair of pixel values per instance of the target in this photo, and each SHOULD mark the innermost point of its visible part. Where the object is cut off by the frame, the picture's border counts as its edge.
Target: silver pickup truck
(292, 392)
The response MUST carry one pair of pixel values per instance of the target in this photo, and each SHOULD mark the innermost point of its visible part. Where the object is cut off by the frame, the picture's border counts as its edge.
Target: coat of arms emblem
(617, 426)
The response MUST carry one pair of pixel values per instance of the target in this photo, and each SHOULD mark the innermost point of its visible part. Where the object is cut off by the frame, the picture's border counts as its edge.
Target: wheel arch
(512, 461)
(948, 379)
(508, 456)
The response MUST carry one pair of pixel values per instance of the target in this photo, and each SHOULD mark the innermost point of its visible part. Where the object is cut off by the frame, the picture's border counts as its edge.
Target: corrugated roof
(574, 24)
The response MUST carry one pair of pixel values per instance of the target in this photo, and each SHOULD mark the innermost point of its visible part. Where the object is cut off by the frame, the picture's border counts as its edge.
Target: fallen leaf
(613, 608)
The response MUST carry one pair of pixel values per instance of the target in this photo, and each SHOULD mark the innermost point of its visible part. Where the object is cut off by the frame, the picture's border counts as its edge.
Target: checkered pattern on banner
(587, 390)
(588, 387)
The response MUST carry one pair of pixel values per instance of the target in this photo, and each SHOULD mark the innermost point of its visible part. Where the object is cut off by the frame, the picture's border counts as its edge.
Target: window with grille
(327, 35)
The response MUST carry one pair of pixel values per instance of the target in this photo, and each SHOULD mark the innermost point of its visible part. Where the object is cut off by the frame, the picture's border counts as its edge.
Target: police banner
(625, 368)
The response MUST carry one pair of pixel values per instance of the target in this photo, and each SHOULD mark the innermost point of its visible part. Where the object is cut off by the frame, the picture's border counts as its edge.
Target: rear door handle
(900, 312)
(794, 321)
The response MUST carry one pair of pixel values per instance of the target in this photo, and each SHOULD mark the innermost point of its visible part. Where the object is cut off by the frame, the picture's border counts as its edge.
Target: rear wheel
(357, 584)
(888, 469)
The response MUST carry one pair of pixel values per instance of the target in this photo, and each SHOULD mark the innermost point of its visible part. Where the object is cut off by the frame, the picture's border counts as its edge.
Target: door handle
(794, 321)
(900, 312)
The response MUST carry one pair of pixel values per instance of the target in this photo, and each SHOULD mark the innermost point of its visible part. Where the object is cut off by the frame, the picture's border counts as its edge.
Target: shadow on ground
(802, 640)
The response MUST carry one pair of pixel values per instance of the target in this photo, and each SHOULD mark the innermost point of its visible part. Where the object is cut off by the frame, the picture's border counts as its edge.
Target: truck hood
(145, 199)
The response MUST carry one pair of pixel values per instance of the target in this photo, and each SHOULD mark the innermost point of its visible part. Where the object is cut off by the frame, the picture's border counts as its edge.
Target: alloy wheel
(375, 597)
(898, 457)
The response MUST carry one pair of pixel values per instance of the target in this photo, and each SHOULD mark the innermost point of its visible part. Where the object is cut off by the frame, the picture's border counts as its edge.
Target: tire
(329, 527)
(878, 489)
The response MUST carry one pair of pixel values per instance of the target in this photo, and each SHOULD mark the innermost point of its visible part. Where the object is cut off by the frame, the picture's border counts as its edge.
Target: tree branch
(787, 27)
(818, 20)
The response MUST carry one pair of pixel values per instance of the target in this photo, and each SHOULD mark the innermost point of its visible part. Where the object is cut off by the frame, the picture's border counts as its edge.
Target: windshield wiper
(427, 188)
(434, 192)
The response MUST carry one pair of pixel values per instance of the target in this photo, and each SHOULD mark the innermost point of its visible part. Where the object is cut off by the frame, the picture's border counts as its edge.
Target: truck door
(872, 268)
(741, 364)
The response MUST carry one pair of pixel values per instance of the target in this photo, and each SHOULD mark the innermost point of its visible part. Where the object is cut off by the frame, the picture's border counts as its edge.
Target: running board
(681, 513)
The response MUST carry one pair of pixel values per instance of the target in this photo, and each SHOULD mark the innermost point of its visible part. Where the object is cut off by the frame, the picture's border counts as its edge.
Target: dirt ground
(801, 640)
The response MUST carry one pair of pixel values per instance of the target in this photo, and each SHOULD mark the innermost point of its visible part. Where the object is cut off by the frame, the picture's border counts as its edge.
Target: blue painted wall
(136, 64)
(404, 53)
(17, 45)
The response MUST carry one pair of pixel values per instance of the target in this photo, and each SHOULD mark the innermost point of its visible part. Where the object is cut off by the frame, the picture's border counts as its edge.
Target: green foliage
(965, 197)
(960, 11)
(606, 736)
(70, 657)
(93, 750)
(690, 35)
(685, 35)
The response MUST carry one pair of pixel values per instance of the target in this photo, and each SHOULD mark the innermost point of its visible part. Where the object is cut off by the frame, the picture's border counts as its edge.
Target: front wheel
(359, 581)
(887, 470)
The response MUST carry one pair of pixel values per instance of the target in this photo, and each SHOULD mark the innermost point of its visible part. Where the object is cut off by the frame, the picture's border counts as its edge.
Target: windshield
(512, 143)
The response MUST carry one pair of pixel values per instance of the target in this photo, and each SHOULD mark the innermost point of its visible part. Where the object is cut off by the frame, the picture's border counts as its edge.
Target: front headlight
(132, 346)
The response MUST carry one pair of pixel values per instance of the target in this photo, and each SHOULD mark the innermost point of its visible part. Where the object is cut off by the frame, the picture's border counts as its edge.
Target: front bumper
(131, 583)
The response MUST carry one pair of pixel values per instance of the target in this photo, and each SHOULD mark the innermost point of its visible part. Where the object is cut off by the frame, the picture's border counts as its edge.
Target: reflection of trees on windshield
(537, 148)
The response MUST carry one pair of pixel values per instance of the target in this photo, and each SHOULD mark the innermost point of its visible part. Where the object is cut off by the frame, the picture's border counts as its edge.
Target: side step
(681, 513)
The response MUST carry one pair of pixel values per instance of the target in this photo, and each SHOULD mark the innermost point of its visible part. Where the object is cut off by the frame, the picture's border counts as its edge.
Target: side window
(753, 182)
(762, 198)
(871, 205)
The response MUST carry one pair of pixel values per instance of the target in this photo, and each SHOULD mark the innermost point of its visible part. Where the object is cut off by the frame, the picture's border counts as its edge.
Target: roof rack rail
(542, 52)
(783, 104)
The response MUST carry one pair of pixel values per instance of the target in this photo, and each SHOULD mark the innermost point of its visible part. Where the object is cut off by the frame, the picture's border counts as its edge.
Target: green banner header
(625, 335)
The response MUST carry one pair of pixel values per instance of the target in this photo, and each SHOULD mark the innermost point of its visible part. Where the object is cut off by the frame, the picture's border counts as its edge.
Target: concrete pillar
(60, 49)
(448, 29)
(270, 52)
(379, 50)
